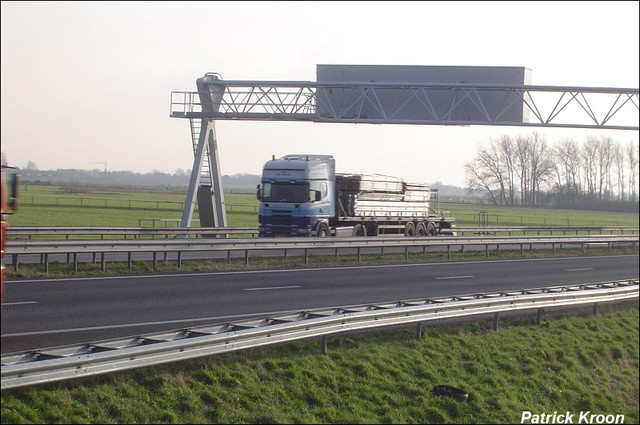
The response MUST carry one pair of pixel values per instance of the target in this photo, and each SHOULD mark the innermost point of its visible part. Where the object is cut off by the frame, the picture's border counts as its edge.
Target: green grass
(468, 215)
(55, 206)
(573, 362)
(569, 363)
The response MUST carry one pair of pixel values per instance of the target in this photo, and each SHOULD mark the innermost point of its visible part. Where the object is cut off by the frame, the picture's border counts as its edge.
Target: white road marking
(579, 270)
(453, 277)
(267, 288)
(21, 303)
(162, 322)
(307, 270)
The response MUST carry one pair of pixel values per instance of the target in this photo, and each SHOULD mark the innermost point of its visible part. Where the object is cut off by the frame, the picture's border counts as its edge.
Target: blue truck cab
(297, 196)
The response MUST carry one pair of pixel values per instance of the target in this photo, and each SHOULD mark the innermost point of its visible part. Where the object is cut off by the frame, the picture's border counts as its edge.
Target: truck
(9, 191)
(302, 195)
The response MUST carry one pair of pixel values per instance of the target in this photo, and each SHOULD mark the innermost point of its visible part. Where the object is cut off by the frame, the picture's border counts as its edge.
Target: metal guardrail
(545, 229)
(51, 365)
(138, 232)
(307, 245)
(18, 232)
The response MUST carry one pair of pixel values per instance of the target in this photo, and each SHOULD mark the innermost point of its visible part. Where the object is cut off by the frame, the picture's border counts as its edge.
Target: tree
(618, 161)
(566, 168)
(632, 158)
(590, 172)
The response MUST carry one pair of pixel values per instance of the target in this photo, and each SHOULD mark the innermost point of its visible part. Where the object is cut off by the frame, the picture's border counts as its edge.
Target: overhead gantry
(380, 102)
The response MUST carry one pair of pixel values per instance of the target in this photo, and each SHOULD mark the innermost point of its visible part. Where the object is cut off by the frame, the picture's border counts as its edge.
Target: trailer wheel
(431, 229)
(359, 230)
(372, 229)
(410, 229)
(323, 231)
(421, 230)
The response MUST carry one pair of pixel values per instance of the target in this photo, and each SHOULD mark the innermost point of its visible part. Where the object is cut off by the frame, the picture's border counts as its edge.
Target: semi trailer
(302, 195)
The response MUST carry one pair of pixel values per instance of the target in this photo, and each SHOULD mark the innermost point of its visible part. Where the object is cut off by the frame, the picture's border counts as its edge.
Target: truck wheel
(421, 230)
(359, 230)
(323, 231)
(410, 229)
(431, 229)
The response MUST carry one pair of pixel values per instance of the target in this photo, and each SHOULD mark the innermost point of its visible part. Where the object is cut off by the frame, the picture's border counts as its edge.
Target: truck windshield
(285, 192)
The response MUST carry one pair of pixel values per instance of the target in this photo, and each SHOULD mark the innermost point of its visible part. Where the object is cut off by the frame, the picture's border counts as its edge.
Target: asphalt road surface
(39, 313)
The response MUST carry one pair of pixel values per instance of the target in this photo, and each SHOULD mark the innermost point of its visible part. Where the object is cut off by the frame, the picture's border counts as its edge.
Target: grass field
(95, 206)
(64, 206)
(574, 363)
(570, 363)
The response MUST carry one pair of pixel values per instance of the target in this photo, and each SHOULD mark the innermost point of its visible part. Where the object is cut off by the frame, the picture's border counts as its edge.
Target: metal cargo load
(374, 195)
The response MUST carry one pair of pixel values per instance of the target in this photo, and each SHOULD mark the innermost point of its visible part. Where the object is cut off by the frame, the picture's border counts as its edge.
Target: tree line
(528, 171)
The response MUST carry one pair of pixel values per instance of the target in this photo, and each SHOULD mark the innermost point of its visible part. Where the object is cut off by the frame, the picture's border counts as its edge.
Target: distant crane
(101, 162)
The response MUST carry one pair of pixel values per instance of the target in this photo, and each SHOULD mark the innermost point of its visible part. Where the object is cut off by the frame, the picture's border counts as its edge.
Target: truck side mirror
(259, 193)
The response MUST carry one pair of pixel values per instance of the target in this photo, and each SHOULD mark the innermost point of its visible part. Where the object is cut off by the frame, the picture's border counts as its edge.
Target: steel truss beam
(387, 103)
(542, 106)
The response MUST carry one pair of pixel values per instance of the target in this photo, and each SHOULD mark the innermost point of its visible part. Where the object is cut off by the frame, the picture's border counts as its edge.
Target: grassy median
(572, 362)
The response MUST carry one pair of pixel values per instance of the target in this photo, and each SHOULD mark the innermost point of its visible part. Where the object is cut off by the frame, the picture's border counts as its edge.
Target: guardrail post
(285, 254)
(129, 260)
(246, 257)
(538, 319)
(358, 254)
(154, 260)
(179, 259)
(406, 253)
(336, 254)
(15, 262)
(323, 345)
(553, 248)
(419, 330)
(449, 251)
(495, 321)
(45, 264)
(521, 249)
(486, 250)
(595, 309)
(102, 262)
(582, 244)
(75, 262)
(306, 256)
(228, 256)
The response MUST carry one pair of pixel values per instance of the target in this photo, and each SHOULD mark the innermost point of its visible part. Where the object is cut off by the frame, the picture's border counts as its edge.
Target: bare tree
(632, 158)
(589, 152)
(478, 178)
(617, 156)
(567, 170)
(522, 167)
(508, 157)
(603, 157)
(541, 165)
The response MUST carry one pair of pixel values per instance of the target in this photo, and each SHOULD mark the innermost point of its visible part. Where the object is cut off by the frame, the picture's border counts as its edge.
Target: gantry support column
(213, 215)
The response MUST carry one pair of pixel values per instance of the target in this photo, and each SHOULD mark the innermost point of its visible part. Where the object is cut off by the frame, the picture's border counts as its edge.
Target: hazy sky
(84, 82)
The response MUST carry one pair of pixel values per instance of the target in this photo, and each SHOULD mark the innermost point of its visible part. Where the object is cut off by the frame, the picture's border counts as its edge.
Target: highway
(39, 313)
